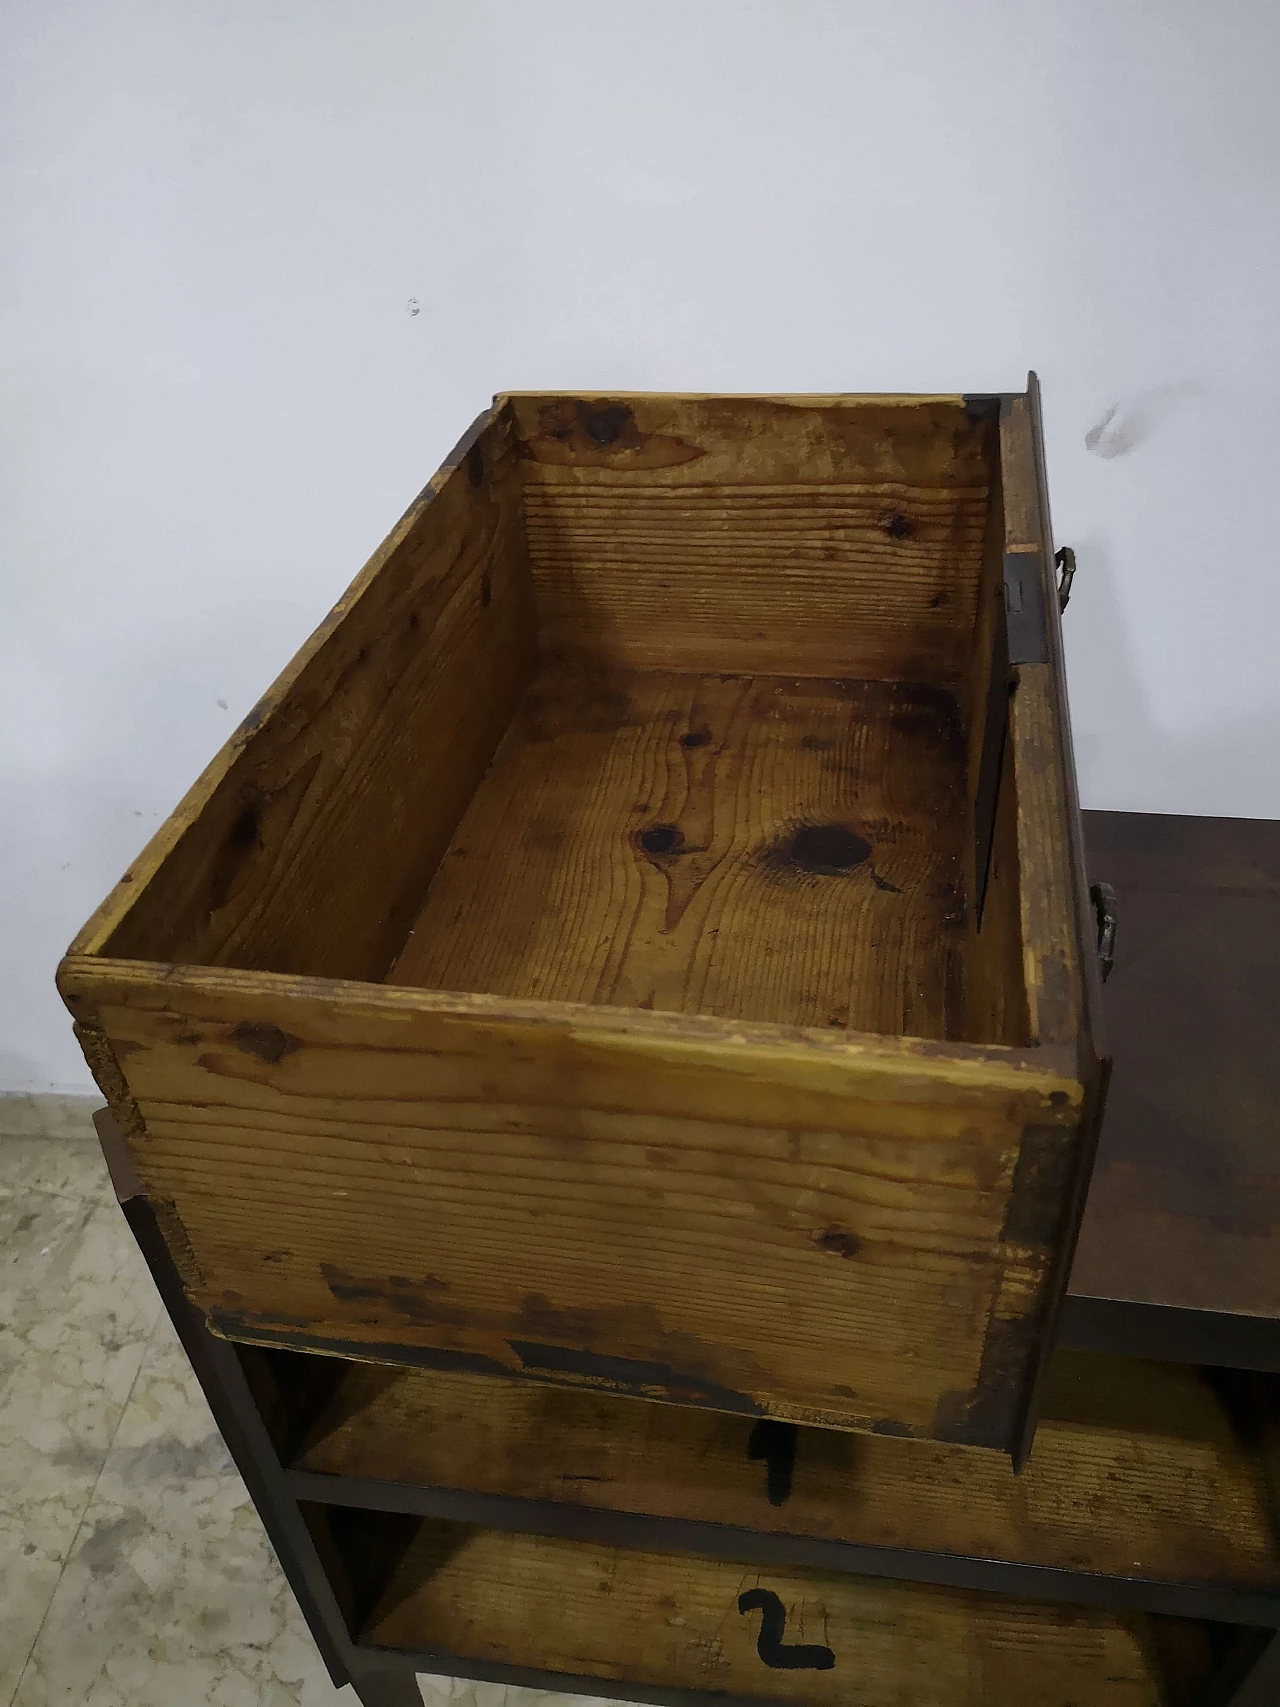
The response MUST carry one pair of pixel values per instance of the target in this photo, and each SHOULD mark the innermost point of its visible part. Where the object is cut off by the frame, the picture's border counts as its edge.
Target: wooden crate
(641, 941)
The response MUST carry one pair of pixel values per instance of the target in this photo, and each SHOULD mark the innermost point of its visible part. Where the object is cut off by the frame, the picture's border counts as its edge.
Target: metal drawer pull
(1064, 561)
(1107, 912)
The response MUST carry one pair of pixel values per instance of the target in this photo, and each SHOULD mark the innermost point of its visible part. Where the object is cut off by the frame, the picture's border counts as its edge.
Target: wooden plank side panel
(1061, 971)
(1138, 1469)
(758, 848)
(995, 980)
(308, 843)
(1059, 955)
(817, 1227)
(819, 537)
(647, 1618)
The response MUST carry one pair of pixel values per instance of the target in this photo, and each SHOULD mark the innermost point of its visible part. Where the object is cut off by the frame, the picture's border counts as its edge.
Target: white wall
(216, 400)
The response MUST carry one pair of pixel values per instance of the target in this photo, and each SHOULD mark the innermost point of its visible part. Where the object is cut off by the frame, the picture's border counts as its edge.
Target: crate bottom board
(609, 1615)
(750, 847)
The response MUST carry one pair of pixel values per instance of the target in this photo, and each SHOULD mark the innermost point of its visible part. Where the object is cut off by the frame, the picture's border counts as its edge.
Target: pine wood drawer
(641, 941)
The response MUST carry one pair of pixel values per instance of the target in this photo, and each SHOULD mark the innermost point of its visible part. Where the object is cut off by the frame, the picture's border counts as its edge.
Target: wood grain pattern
(1054, 906)
(821, 1221)
(815, 537)
(1184, 1208)
(646, 1618)
(1137, 1469)
(757, 848)
(306, 845)
(744, 1217)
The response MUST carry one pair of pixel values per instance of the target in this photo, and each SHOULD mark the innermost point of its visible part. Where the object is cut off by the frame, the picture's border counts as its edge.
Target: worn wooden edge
(904, 1067)
(1093, 1034)
(108, 916)
(1061, 967)
(247, 1330)
(1058, 1277)
(800, 399)
(1041, 760)
(1069, 1009)
(1013, 1579)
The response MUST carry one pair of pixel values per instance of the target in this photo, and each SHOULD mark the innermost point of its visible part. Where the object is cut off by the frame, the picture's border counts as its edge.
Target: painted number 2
(780, 1655)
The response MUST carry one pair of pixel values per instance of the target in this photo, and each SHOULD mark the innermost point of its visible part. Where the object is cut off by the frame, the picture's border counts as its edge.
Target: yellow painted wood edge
(882, 1068)
(107, 917)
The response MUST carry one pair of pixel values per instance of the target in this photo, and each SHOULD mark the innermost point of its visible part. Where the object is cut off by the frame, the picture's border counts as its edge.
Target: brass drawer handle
(1064, 561)
(1107, 912)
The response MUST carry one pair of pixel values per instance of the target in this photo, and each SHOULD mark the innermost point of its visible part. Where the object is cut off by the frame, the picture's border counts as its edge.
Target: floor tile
(172, 1594)
(64, 1116)
(20, 1116)
(67, 1167)
(76, 1308)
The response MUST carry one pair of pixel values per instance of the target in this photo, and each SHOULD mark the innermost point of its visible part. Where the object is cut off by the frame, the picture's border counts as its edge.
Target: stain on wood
(575, 433)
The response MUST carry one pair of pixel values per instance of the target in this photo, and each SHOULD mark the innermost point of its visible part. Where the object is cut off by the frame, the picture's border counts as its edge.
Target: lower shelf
(457, 1597)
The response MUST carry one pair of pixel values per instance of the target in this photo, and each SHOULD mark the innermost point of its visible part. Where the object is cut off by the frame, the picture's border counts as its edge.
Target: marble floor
(133, 1569)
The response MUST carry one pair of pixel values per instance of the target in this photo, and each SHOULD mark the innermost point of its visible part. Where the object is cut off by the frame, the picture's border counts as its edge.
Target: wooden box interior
(666, 703)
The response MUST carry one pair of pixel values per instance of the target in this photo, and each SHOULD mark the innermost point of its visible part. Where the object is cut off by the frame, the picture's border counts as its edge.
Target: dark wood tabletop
(1179, 1254)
